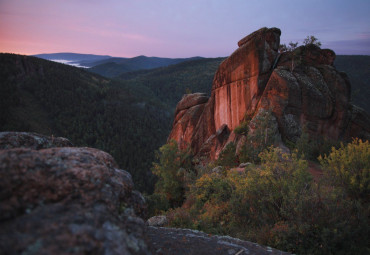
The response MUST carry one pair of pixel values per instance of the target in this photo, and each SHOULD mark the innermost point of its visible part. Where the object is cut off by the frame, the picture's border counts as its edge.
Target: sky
(176, 28)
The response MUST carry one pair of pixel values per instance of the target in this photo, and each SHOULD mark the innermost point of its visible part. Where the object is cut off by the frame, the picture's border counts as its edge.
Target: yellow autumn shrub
(349, 168)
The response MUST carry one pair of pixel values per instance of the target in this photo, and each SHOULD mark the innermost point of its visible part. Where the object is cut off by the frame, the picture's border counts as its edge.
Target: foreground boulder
(67, 201)
(301, 90)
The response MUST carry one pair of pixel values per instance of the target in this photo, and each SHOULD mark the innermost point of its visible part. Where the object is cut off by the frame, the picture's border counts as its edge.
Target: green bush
(278, 204)
(157, 204)
(264, 133)
(349, 168)
(212, 187)
(172, 169)
(243, 128)
(312, 147)
(228, 157)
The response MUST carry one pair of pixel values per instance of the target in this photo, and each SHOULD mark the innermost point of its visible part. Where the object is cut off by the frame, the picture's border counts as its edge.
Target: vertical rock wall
(241, 78)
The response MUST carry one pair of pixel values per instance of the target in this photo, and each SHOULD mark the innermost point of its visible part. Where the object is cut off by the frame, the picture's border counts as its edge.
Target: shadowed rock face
(67, 200)
(314, 95)
(256, 77)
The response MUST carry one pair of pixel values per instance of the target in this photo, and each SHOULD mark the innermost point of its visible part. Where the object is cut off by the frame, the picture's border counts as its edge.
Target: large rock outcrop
(314, 94)
(66, 200)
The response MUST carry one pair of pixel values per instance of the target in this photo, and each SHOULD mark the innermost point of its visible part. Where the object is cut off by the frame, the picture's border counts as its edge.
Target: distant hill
(358, 71)
(170, 83)
(54, 99)
(115, 66)
(111, 66)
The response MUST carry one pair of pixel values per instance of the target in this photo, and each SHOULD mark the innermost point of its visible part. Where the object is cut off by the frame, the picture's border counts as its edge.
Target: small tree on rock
(283, 48)
(292, 46)
(171, 169)
(311, 40)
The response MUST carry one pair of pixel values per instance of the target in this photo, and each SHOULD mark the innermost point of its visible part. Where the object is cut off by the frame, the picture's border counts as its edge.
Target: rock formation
(314, 94)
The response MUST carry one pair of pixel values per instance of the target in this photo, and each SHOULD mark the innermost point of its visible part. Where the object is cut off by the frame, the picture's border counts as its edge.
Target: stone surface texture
(157, 221)
(311, 94)
(9, 140)
(185, 242)
(67, 201)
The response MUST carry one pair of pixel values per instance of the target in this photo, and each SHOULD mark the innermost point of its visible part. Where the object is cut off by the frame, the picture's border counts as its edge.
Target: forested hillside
(358, 71)
(170, 83)
(55, 99)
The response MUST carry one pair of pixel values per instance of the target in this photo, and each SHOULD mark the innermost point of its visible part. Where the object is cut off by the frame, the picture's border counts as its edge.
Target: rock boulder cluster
(309, 93)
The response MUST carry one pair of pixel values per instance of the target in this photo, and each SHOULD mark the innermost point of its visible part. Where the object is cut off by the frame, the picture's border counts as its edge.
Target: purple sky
(176, 28)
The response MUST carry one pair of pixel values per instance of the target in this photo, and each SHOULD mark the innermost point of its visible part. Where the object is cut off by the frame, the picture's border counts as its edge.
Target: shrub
(312, 147)
(180, 218)
(349, 168)
(228, 157)
(278, 204)
(311, 40)
(243, 128)
(264, 133)
(157, 204)
(172, 170)
(212, 187)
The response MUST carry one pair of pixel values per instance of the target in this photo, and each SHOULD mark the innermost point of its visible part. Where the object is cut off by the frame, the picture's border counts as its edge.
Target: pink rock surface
(314, 94)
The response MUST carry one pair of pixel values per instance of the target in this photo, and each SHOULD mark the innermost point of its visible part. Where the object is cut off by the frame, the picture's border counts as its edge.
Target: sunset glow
(176, 28)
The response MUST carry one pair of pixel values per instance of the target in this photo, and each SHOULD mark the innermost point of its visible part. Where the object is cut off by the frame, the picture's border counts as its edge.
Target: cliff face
(241, 78)
(257, 77)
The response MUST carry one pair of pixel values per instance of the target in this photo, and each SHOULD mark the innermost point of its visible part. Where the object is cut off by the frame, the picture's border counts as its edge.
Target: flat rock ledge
(167, 241)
